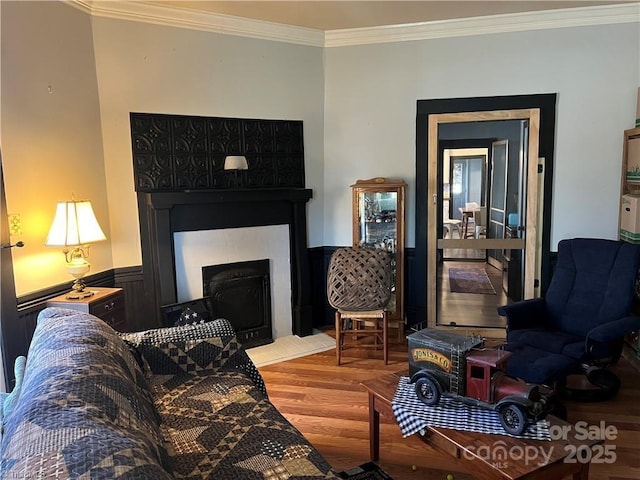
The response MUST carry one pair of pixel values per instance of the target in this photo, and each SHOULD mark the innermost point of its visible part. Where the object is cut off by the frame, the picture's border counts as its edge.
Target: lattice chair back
(359, 279)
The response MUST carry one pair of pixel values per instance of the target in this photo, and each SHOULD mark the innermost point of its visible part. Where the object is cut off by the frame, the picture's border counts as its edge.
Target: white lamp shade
(74, 224)
(236, 162)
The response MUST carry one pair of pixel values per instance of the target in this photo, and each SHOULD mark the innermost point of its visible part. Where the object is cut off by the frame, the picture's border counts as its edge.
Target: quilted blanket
(215, 413)
(84, 410)
(220, 426)
(182, 402)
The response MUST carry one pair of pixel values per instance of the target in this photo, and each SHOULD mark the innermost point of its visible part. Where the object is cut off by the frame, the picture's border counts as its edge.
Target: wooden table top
(524, 458)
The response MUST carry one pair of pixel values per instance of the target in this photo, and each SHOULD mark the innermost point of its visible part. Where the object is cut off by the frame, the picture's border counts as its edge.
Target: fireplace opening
(241, 293)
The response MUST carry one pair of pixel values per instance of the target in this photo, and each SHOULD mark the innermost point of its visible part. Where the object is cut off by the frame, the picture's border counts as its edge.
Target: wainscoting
(28, 306)
(130, 279)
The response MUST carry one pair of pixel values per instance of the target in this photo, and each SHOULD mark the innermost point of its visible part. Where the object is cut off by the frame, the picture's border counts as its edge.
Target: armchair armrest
(192, 348)
(530, 313)
(614, 330)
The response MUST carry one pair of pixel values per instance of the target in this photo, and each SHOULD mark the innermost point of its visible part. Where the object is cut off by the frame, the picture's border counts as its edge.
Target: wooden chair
(359, 288)
(480, 219)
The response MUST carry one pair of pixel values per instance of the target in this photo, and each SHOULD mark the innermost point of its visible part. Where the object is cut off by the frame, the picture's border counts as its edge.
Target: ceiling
(335, 15)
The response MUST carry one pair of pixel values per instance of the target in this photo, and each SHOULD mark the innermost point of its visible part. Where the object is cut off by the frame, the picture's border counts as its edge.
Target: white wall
(370, 112)
(358, 105)
(51, 133)
(159, 69)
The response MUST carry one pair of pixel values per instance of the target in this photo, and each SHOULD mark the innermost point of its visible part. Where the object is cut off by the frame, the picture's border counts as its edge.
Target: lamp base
(73, 295)
(77, 290)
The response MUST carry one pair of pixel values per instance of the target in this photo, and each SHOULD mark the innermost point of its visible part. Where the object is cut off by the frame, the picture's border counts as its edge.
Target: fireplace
(182, 187)
(241, 293)
(166, 217)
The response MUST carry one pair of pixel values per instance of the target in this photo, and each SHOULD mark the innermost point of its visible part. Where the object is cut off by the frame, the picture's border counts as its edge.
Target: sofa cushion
(84, 410)
(220, 426)
(194, 348)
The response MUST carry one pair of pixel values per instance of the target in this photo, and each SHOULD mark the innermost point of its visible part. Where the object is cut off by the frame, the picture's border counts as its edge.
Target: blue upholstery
(584, 316)
(538, 366)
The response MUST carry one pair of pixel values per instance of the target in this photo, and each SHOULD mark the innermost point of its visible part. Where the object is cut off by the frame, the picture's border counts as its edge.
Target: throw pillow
(185, 313)
(191, 315)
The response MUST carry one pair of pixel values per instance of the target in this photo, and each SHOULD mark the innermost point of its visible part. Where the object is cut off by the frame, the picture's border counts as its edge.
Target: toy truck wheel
(427, 391)
(513, 419)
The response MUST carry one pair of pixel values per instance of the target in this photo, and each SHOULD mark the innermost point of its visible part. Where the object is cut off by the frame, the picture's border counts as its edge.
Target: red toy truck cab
(486, 380)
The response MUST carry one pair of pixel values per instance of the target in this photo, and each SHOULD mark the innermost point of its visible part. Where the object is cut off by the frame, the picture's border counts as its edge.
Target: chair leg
(385, 337)
(338, 336)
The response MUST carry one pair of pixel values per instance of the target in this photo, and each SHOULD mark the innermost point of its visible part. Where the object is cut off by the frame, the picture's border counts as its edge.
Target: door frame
(425, 173)
(531, 236)
(491, 260)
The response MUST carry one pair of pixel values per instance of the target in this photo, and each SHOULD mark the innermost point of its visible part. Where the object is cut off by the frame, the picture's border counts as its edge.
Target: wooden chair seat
(359, 325)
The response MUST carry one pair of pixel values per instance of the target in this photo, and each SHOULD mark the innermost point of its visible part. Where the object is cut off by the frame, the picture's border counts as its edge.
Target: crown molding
(514, 22)
(141, 11)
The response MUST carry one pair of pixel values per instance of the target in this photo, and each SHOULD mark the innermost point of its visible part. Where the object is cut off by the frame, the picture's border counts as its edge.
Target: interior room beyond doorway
(470, 309)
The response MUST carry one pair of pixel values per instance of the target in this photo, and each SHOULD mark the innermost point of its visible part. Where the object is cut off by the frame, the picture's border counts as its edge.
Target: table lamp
(75, 225)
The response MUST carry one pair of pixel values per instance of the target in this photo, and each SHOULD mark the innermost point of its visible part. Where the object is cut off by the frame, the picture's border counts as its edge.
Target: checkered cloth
(413, 416)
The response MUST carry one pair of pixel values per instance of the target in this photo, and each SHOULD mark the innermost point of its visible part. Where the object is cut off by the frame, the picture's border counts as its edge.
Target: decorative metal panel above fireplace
(178, 152)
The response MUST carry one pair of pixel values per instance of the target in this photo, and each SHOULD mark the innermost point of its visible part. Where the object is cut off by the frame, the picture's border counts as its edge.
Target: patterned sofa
(180, 402)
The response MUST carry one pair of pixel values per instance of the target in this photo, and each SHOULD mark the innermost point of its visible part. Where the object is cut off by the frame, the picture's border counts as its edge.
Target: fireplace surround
(180, 185)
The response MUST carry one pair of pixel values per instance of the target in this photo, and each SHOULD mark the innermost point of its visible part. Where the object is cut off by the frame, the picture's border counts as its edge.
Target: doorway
(535, 116)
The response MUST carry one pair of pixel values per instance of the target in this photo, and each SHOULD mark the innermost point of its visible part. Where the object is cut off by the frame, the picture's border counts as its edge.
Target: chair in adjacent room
(468, 222)
(359, 288)
(580, 324)
(480, 220)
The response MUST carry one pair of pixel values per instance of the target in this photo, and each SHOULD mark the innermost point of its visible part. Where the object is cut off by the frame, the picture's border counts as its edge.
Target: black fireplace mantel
(164, 213)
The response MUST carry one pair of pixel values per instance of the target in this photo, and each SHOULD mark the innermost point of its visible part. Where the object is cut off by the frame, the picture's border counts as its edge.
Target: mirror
(482, 215)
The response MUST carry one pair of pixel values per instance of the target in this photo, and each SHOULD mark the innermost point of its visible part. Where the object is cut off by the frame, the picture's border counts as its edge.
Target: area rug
(470, 280)
(366, 471)
(290, 347)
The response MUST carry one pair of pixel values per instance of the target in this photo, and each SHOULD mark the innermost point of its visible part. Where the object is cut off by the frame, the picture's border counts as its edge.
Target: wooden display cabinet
(378, 222)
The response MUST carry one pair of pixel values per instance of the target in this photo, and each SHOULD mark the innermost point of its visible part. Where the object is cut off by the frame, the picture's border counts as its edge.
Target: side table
(105, 303)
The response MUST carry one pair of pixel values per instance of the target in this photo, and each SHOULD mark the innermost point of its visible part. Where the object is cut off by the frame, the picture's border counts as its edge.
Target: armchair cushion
(538, 366)
(553, 341)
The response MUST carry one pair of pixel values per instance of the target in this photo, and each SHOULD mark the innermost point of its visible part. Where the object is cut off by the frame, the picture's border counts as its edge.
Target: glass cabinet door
(378, 222)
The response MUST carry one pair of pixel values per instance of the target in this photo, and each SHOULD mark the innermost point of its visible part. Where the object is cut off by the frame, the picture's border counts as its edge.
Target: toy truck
(446, 364)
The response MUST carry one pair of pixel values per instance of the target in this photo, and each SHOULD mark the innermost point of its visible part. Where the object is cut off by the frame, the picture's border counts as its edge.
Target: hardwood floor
(328, 405)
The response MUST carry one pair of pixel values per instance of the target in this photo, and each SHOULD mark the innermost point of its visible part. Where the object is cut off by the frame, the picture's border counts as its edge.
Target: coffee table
(477, 452)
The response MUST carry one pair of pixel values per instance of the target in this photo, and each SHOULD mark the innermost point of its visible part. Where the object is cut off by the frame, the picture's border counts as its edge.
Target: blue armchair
(581, 322)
